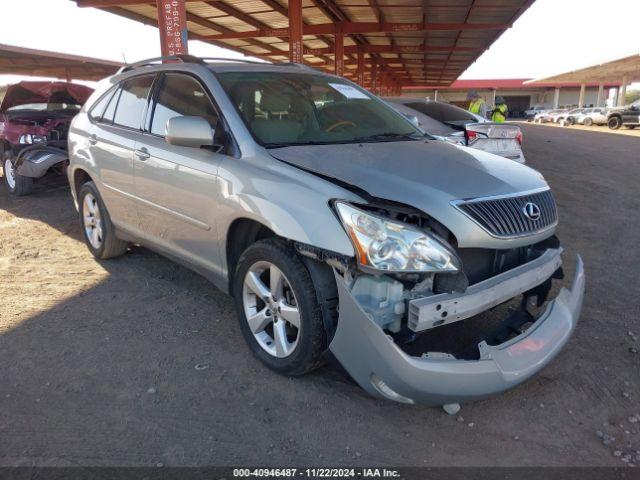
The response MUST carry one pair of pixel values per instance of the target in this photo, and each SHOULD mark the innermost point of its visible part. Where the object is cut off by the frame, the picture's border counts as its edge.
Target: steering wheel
(339, 123)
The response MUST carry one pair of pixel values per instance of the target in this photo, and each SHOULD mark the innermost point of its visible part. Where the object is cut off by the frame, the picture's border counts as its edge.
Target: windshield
(44, 107)
(282, 109)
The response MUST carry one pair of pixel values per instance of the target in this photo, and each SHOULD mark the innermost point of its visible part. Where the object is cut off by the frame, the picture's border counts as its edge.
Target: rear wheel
(278, 309)
(17, 184)
(630, 127)
(588, 122)
(99, 233)
(614, 123)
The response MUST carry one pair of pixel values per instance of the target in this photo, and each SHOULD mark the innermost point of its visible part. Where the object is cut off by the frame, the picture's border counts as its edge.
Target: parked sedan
(591, 116)
(456, 125)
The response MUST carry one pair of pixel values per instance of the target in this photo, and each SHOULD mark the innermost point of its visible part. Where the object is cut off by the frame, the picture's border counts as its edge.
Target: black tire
(110, 245)
(630, 127)
(311, 343)
(18, 186)
(588, 122)
(614, 123)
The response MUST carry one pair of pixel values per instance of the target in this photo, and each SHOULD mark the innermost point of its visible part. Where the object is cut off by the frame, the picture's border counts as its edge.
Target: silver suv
(339, 228)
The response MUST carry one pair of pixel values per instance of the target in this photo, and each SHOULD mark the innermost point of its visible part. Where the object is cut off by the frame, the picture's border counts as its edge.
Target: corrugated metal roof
(40, 63)
(446, 35)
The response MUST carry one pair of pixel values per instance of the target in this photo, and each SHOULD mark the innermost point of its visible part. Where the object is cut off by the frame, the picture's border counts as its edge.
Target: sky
(552, 36)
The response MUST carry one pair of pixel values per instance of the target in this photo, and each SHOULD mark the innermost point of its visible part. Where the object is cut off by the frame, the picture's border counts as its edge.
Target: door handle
(142, 154)
(93, 139)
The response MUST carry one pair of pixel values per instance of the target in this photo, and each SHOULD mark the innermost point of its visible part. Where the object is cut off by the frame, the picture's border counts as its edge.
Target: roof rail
(156, 60)
(239, 60)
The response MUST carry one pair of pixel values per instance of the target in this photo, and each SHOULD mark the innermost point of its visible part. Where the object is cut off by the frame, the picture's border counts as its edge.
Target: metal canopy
(375, 42)
(27, 61)
(624, 69)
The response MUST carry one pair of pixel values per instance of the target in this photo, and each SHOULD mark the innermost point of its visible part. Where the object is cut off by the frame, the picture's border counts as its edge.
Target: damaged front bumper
(379, 366)
(35, 161)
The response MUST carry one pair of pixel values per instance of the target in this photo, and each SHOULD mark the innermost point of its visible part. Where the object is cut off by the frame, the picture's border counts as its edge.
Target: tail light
(470, 136)
(519, 138)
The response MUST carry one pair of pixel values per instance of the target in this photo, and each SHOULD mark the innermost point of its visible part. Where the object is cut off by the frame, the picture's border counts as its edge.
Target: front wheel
(17, 184)
(99, 233)
(614, 123)
(278, 309)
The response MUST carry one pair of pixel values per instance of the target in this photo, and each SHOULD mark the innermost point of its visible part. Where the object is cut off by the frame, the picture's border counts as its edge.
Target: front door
(176, 186)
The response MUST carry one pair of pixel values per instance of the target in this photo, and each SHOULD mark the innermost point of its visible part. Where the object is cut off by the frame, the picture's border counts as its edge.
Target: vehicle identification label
(348, 91)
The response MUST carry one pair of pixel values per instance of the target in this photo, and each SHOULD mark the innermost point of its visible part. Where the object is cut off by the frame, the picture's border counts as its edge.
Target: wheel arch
(242, 233)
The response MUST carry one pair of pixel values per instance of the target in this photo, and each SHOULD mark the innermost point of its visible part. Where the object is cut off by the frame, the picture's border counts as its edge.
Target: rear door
(112, 138)
(176, 185)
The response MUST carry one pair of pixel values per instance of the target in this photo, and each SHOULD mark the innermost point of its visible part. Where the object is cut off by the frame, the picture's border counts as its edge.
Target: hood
(426, 175)
(24, 93)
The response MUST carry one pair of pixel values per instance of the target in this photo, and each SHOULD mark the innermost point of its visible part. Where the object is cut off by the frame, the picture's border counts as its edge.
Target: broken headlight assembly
(386, 245)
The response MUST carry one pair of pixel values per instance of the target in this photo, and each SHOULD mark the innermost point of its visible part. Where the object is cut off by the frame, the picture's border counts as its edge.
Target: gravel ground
(137, 361)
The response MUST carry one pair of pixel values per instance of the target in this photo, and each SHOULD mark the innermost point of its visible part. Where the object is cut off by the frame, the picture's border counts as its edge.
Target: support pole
(295, 31)
(339, 54)
(583, 89)
(361, 68)
(374, 78)
(600, 99)
(435, 96)
(556, 98)
(172, 23)
(622, 92)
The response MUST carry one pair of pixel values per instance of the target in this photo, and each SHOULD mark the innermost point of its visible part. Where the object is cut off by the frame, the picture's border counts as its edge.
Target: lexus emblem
(531, 211)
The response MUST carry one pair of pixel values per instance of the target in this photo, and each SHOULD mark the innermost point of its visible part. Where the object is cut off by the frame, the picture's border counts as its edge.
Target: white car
(533, 111)
(592, 116)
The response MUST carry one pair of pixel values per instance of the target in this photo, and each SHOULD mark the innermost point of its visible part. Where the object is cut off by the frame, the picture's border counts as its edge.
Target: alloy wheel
(92, 221)
(271, 309)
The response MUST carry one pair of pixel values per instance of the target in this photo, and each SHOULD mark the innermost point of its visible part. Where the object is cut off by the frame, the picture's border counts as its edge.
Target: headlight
(29, 139)
(383, 244)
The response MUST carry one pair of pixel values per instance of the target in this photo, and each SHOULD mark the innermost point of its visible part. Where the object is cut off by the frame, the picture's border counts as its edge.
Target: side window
(181, 95)
(107, 116)
(98, 108)
(133, 99)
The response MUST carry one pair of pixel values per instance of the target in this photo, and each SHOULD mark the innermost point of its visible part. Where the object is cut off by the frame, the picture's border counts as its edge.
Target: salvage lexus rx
(338, 227)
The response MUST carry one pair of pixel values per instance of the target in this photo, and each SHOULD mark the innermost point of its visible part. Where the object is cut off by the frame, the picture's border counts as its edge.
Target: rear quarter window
(98, 108)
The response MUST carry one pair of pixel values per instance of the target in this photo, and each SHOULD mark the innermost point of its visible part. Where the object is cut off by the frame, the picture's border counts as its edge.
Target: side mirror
(189, 131)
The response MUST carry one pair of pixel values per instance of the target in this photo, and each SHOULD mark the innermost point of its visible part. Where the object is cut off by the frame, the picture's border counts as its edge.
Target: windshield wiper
(390, 136)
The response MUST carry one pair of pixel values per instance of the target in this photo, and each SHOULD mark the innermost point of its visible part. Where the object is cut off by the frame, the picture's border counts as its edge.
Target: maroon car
(34, 122)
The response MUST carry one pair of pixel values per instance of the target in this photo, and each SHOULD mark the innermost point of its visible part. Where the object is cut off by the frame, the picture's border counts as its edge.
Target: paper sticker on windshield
(348, 91)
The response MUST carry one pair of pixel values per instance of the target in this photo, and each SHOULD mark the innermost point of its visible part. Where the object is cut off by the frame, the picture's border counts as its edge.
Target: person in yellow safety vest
(477, 105)
(500, 111)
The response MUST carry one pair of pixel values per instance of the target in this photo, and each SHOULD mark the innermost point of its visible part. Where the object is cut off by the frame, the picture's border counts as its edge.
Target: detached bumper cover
(384, 370)
(35, 161)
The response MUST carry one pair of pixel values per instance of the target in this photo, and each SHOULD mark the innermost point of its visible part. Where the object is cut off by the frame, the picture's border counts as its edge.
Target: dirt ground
(137, 361)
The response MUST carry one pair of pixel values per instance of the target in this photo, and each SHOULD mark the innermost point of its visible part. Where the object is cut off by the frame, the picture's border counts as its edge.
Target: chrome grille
(505, 216)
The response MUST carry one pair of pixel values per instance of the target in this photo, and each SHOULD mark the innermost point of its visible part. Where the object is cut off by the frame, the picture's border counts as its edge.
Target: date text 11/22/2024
(316, 472)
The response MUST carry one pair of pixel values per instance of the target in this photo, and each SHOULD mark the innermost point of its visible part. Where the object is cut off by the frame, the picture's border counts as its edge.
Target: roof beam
(360, 27)
(353, 49)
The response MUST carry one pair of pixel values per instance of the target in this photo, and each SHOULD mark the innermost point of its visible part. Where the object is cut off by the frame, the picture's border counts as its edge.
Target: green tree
(632, 96)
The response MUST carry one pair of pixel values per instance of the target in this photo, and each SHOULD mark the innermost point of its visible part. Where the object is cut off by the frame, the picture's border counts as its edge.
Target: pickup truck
(628, 116)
